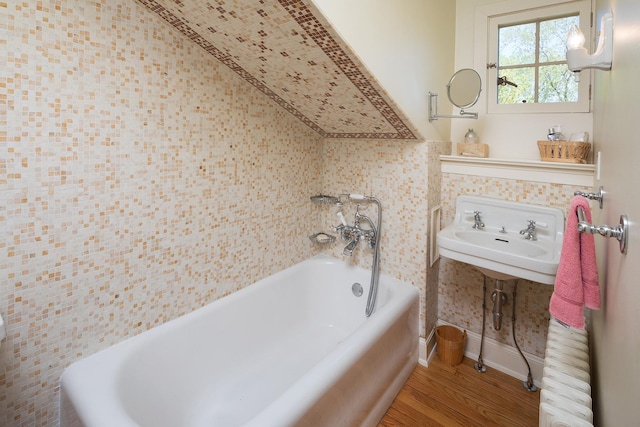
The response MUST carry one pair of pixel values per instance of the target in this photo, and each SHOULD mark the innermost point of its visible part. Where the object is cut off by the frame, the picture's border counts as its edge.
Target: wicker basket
(564, 151)
(450, 344)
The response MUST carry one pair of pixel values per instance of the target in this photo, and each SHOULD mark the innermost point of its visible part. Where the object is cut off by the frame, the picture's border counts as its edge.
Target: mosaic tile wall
(460, 285)
(435, 199)
(139, 180)
(395, 173)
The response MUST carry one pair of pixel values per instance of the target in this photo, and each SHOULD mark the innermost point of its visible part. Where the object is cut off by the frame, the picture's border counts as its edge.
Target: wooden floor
(441, 395)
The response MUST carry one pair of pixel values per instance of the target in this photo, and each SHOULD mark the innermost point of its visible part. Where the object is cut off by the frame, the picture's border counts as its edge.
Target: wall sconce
(577, 56)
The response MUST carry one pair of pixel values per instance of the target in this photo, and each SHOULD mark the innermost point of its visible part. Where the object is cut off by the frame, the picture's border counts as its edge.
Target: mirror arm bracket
(433, 111)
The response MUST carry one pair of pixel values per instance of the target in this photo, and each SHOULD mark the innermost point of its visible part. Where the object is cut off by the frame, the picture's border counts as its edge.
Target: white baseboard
(422, 352)
(427, 349)
(495, 355)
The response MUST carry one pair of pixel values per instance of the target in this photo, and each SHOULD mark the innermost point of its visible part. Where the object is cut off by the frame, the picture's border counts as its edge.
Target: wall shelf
(525, 170)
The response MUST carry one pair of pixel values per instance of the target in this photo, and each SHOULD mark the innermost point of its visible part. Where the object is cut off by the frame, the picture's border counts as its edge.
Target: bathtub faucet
(348, 250)
(355, 232)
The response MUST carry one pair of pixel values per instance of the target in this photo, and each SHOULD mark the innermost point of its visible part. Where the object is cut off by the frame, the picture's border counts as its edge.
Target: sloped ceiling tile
(290, 52)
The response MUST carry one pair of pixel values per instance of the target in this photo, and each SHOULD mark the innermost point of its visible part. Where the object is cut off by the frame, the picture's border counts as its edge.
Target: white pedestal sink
(498, 249)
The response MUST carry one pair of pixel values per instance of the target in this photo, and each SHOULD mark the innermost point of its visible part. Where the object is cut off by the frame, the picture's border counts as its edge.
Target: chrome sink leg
(528, 384)
(479, 365)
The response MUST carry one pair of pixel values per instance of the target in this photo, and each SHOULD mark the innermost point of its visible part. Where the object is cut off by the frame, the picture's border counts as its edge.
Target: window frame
(495, 19)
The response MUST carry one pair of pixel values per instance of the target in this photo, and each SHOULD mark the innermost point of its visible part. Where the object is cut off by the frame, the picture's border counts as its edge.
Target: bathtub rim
(345, 358)
(90, 408)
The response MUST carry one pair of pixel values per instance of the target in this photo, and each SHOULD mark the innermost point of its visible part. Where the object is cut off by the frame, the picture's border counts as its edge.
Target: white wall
(410, 54)
(616, 335)
(510, 136)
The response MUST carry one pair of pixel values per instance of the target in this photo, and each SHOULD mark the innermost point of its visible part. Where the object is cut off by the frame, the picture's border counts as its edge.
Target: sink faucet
(478, 225)
(530, 232)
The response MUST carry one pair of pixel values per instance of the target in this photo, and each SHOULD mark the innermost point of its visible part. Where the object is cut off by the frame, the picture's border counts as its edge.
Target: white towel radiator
(565, 395)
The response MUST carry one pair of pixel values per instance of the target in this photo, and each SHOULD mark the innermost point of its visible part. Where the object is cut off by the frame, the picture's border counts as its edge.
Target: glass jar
(471, 137)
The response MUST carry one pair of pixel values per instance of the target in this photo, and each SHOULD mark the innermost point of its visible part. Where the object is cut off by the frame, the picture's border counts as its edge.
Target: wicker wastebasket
(450, 344)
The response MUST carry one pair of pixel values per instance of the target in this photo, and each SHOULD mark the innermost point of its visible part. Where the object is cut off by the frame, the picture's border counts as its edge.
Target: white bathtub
(294, 349)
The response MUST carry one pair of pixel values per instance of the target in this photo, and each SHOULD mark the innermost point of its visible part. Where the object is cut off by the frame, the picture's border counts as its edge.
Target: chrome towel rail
(599, 196)
(620, 232)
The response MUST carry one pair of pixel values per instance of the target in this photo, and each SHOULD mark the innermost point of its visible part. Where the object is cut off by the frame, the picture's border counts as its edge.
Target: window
(533, 55)
(527, 70)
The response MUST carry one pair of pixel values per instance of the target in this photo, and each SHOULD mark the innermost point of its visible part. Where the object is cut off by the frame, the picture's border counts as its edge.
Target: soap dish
(323, 199)
(322, 238)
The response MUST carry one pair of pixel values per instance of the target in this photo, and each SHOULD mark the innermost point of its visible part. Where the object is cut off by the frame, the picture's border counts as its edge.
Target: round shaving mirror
(464, 88)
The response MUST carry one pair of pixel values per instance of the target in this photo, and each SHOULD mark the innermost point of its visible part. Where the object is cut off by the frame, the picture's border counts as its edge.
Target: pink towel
(576, 283)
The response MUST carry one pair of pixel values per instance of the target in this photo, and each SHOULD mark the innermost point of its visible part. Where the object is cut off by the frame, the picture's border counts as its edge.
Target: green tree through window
(532, 56)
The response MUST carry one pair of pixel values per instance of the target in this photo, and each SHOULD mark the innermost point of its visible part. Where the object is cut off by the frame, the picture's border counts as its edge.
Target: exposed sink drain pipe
(499, 299)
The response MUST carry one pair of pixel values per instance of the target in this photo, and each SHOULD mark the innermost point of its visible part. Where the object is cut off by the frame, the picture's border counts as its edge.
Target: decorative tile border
(378, 111)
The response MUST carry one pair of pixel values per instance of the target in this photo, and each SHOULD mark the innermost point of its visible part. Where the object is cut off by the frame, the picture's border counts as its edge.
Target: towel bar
(599, 196)
(620, 232)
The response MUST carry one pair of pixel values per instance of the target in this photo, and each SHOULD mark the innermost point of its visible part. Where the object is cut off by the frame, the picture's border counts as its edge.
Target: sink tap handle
(478, 224)
(537, 224)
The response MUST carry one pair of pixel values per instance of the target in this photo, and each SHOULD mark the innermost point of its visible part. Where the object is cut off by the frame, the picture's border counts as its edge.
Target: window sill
(523, 170)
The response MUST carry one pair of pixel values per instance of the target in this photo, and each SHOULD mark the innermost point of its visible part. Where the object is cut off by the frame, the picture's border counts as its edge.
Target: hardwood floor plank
(439, 398)
(441, 413)
(473, 396)
(441, 395)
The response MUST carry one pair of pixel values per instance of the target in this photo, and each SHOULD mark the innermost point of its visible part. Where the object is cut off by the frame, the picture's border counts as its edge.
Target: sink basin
(498, 249)
(500, 242)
